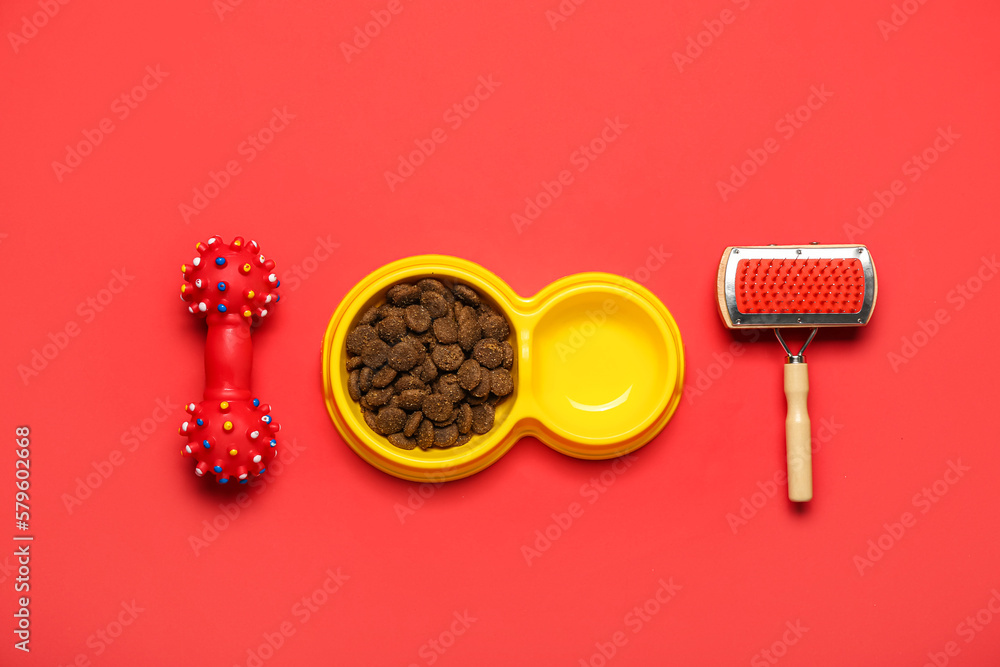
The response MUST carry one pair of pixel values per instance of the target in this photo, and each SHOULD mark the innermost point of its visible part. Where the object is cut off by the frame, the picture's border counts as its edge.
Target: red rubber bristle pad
(799, 285)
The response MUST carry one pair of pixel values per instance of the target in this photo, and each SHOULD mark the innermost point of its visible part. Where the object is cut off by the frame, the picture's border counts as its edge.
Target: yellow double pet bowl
(598, 368)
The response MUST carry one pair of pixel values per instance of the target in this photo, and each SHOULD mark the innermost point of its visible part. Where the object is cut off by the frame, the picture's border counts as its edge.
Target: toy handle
(228, 358)
(798, 440)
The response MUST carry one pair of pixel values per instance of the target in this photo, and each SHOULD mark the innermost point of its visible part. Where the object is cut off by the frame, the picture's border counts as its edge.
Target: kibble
(357, 339)
(402, 441)
(496, 327)
(488, 353)
(435, 304)
(469, 374)
(353, 388)
(428, 371)
(391, 329)
(379, 397)
(448, 386)
(418, 318)
(432, 285)
(447, 357)
(445, 437)
(375, 353)
(408, 382)
(419, 343)
(402, 356)
(388, 310)
(464, 419)
(425, 435)
(413, 422)
(450, 420)
(482, 418)
(429, 365)
(469, 330)
(412, 399)
(437, 407)
(446, 330)
(366, 379)
(370, 316)
(482, 389)
(390, 420)
(466, 294)
(403, 294)
(501, 383)
(384, 377)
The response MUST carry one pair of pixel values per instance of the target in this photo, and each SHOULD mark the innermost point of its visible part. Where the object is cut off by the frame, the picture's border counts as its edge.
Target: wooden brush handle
(798, 440)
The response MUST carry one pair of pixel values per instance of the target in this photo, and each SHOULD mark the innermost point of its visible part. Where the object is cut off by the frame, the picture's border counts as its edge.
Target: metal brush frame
(795, 358)
(803, 320)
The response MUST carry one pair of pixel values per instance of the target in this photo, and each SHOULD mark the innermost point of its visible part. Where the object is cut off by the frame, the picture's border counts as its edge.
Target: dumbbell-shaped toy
(232, 287)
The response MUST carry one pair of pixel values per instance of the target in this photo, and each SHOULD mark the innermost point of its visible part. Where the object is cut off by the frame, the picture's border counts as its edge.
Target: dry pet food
(430, 364)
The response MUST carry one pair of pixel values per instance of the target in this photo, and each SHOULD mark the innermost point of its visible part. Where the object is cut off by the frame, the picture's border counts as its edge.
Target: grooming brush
(813, 286)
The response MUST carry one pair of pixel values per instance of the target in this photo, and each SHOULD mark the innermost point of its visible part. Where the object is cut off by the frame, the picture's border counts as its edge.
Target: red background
(897, 424)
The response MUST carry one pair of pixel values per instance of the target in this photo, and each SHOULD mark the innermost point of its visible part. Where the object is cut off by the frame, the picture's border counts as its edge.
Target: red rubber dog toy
(231, 287)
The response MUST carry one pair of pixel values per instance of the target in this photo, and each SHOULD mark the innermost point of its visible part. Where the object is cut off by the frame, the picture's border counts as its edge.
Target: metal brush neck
(795, 358)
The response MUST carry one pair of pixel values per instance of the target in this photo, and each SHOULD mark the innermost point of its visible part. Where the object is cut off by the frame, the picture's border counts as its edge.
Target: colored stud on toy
(229, 286)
